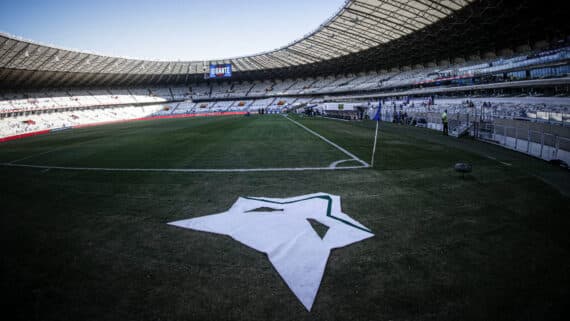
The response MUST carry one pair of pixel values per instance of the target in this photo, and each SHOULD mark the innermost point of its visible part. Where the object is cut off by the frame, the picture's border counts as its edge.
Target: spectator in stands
(445, 124)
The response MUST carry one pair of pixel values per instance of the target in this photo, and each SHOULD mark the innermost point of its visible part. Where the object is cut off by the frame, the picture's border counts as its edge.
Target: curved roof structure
(363, 34)
(359, 25)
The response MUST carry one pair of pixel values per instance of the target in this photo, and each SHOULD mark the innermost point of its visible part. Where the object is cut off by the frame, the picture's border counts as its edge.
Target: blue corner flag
(378, 116)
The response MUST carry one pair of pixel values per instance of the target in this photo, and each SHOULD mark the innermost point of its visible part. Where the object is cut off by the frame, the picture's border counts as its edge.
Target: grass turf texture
(95, 245)
(227, 142)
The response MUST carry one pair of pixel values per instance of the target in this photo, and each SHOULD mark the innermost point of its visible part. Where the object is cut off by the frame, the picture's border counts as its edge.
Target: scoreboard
(220, 71)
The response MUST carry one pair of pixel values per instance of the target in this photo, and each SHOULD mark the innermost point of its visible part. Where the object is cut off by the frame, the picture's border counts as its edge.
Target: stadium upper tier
(515, 85)
(363, 35)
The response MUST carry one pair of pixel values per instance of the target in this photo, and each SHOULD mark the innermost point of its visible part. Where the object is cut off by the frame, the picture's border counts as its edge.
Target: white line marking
(365, 164)
(40, 154)
(335, 164)
(53, 150)
(332, 118)
(493, 158)
(187, 170)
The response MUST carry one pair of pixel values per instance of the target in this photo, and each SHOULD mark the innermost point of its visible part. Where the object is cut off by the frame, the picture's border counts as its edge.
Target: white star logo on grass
(297, 234)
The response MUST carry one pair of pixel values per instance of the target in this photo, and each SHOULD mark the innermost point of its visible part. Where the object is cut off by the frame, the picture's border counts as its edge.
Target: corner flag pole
(377, 118)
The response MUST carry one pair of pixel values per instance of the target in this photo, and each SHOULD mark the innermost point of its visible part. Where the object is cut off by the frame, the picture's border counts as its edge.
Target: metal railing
(544, 144)
(551, 141)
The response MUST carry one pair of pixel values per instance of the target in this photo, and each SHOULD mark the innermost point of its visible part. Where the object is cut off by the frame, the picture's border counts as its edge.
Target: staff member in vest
(444, 121)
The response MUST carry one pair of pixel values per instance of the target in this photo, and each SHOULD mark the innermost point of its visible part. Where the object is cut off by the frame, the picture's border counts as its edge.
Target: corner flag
(378, 116)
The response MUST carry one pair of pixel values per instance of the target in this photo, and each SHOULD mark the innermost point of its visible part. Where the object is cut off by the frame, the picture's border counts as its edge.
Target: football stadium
(405, 160)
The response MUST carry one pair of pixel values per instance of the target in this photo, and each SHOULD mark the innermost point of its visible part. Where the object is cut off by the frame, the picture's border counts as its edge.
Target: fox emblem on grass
(287, 230)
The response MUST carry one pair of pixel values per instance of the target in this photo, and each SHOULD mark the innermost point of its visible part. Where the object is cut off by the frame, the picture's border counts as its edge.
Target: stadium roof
(359, 25)
(363, 34)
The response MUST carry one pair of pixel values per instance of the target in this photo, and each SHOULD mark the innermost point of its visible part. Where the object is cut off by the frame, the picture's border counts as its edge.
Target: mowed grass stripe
(210, 143)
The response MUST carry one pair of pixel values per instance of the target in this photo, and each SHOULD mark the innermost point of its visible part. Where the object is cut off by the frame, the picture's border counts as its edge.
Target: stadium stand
(287, 91)
(66, 119)
(361, 66)
(180, 93)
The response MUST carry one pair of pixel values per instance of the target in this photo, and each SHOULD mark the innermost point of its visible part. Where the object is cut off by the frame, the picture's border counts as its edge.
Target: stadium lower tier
(93, 111)
(538, 126)
(555, 110)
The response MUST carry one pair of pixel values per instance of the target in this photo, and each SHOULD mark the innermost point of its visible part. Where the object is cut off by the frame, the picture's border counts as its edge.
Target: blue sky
(165, 29)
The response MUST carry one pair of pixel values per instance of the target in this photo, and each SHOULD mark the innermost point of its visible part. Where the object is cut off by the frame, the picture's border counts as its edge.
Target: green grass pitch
(94, 245)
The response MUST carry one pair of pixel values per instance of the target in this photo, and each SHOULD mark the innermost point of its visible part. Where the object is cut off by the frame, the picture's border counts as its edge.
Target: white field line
(186, 170)
(51, 151)
(504, 163)
(40, 154)
(365, 164)
(335, 164)
(332, 118)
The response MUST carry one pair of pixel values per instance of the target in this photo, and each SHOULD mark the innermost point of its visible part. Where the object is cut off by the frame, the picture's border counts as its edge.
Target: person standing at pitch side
(444, 121)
